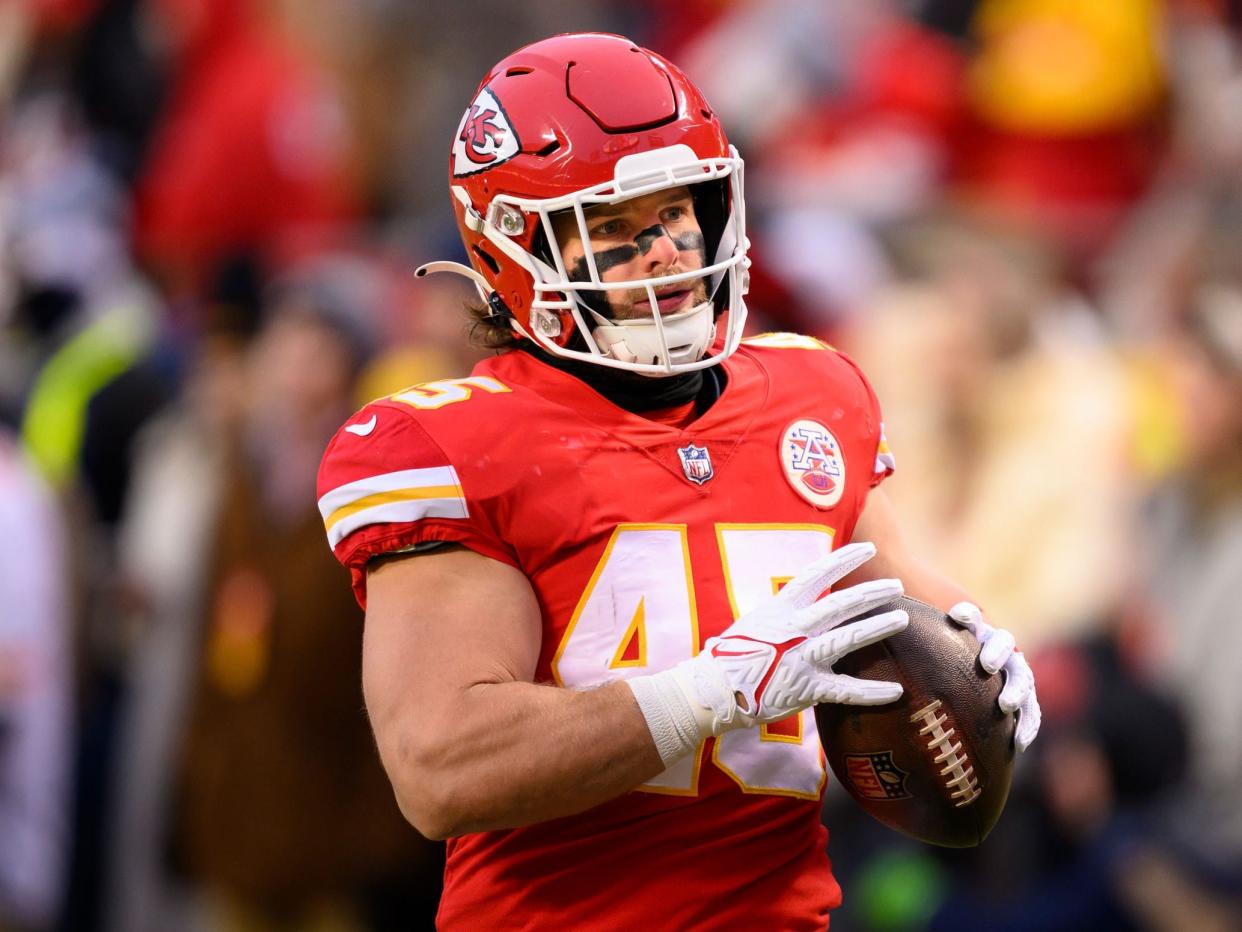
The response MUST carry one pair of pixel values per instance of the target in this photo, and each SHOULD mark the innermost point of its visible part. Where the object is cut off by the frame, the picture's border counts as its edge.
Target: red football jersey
(641, 541)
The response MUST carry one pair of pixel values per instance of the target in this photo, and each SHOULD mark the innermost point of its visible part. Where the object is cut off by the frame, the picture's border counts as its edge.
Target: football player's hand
(996, 654)
(777, 659)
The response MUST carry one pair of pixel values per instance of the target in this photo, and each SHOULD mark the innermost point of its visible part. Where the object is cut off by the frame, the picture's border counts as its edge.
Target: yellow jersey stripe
(387, 498)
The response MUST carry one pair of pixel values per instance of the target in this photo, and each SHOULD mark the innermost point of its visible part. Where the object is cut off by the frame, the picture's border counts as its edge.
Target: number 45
(638, 615)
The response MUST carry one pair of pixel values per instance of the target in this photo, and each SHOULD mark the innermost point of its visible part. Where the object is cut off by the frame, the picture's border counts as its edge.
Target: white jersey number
(638, 616)
(432, 395)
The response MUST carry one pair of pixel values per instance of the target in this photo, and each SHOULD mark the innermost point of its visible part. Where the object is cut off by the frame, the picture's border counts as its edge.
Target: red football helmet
(579, 120)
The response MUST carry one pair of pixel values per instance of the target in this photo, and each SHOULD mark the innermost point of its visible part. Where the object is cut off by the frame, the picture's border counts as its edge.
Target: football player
(594, 570)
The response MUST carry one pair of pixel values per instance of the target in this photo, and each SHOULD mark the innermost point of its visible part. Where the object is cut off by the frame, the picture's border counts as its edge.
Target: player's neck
(640, 394)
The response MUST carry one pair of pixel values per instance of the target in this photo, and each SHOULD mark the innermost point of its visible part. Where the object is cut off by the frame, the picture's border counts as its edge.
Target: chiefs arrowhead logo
(485, 137)
(481, 135)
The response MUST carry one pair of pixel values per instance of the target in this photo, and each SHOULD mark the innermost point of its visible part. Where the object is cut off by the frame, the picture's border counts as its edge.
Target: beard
(635, 304)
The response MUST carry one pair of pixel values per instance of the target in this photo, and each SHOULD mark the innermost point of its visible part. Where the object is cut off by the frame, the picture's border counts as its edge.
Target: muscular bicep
(438, 624)
(879, 524)
(469, 742)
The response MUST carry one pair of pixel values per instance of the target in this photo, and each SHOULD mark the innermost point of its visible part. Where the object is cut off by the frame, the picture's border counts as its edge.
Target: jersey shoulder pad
(781, 340)
(419, 425)
(797, 353)
(840, 373)
(445, 393)
(383, 467)
(388, 483)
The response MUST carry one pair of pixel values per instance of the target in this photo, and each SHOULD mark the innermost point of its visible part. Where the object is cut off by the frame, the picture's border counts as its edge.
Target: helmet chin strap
(687, 336)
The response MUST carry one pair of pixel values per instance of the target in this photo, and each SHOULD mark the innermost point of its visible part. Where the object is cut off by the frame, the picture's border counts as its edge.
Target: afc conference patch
(813, 462)
(696, 463)
(875, 776)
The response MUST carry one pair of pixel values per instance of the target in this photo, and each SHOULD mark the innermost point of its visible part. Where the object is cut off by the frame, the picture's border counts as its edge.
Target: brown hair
(489, 329)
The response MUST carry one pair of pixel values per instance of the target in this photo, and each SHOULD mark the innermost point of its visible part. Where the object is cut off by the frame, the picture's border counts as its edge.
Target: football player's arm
(878, 523)
(469, 741)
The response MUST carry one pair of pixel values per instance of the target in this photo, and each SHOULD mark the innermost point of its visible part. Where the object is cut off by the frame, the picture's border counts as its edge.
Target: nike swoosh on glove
(777, 659)
(774, 660)
(997, 653)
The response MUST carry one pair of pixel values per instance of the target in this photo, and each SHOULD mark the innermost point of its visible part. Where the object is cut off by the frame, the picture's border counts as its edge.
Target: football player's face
(644, 237)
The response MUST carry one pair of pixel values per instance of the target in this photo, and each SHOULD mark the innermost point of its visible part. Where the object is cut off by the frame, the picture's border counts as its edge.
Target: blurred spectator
(1010, 414)
(1194, 538)
(253, 151)
(1067, 100)
(81, 316)
(35, 699)
(842, 111)
(81, 323)
(280, 815)
(426, 336)
(1088, 849)
(120, 81)
(1186, 228)
(179, 475)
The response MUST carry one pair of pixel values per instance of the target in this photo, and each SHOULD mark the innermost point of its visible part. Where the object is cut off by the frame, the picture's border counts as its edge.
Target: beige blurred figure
(1011, 415)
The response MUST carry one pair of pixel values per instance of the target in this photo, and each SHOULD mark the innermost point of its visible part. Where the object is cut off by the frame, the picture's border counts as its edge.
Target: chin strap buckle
(497, 309)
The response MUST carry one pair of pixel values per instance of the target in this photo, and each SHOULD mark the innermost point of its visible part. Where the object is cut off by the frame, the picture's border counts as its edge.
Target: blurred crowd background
(1023, 217)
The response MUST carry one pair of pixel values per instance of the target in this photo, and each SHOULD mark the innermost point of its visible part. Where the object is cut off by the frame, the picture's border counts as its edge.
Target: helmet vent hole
(549, 148)
(707, 114)
(487, 259)
(518, 70)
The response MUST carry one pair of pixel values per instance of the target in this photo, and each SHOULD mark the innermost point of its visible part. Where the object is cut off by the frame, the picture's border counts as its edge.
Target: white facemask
(641, 340)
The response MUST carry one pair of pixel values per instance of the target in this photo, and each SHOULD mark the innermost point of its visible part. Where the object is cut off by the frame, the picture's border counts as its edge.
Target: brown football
(937, 763)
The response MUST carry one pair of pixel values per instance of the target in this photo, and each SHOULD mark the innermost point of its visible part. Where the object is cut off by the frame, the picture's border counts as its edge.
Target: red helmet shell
(554, 118)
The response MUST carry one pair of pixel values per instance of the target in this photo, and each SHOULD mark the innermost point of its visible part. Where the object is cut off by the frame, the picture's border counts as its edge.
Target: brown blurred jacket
(280, 795)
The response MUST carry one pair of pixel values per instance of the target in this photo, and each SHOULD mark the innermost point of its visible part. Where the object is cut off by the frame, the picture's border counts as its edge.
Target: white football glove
(776, 659)
(996, 653)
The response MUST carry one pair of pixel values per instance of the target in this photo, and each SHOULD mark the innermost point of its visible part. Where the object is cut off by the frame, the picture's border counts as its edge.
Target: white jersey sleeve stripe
(884, 461)
(397, 512)
(406, 495)
(351, 492)
(431, 493)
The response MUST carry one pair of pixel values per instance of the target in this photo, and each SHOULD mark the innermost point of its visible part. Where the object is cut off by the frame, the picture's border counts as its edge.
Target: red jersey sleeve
(873, 423)
(386, 486)
(884, 462)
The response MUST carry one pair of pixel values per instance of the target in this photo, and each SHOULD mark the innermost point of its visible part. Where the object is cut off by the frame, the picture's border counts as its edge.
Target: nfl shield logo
(875, 776)
(696, 462)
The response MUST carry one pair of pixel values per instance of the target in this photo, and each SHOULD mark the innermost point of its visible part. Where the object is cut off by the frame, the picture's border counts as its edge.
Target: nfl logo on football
(696, 462)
